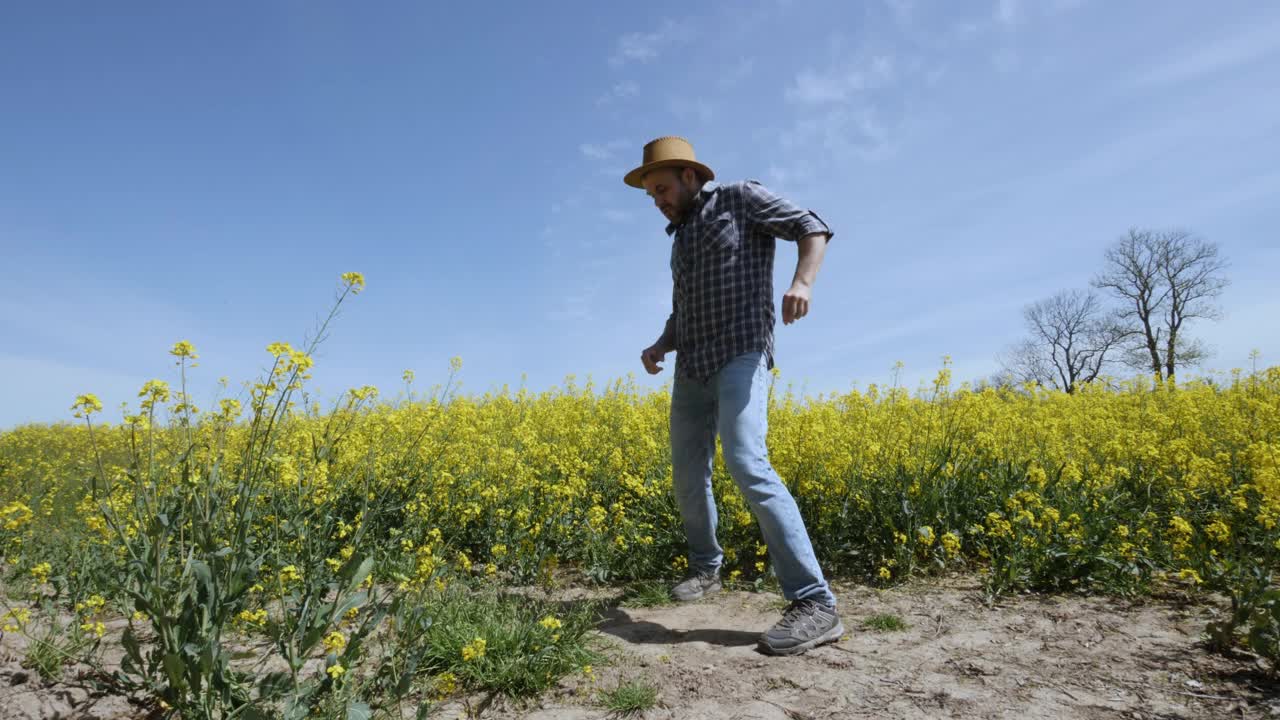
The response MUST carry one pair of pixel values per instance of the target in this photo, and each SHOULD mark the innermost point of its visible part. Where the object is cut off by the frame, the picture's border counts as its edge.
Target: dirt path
(1030, 657)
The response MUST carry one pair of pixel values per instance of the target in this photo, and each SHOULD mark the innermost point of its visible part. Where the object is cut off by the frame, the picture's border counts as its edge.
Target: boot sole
(699, 596)
(829, 636)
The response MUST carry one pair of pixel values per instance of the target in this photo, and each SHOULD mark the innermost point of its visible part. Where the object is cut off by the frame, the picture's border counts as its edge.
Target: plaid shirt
(722, 274)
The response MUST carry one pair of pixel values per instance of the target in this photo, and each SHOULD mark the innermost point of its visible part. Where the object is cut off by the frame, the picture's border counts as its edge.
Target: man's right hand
(651, 356)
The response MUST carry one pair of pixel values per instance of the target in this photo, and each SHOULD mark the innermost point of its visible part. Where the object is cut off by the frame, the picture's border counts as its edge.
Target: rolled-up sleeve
(778, 217)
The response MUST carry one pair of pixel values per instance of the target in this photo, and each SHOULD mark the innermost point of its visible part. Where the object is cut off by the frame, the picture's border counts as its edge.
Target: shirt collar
(708, 189)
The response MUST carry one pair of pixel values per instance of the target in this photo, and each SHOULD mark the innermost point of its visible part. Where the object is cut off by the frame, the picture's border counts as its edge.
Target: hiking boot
(697, 586)
(806, 624)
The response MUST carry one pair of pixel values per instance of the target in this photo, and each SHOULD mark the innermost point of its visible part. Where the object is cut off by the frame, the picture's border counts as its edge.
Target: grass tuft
(630, 698)
(885, 622)
(510, 644)
(649, 593)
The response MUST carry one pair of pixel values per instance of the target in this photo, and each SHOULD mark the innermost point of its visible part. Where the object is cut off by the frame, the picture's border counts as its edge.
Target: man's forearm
(812, 249)
(668, 339)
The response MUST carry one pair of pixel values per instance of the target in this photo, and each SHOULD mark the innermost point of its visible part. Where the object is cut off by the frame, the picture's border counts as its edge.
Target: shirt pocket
(721, 236)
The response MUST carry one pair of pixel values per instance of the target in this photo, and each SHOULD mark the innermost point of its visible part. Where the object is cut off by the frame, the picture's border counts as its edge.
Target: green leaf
(131, 647)
(356, 570)
(312, 637)
(203, 576)
(296, 710)
(273, 685)
(351, 601)
(358, 711)
(406, 679)
(173, 667)
(253, 712)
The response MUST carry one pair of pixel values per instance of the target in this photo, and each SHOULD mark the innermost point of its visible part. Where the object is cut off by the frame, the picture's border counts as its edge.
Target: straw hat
(667, 151)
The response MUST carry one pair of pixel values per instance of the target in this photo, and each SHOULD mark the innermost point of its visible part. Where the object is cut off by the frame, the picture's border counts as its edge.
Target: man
(721, 329)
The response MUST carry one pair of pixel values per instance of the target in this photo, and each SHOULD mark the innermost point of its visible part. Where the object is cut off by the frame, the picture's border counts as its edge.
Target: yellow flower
(253, 617)
(93, 604)
(97, 629)
(336, 671)
(300, 360)
(446, 684)
(40, 573)
(279, 349)
(334, 642)
(184, 349)
(1218, 531)
(951, 544)
(16, 619)
(152, 392)
(884, 573)
(353, 280)
(15, 515)
(87, 404)
(289, 574)
(1189, 574)
(550, 623)
(473, 650)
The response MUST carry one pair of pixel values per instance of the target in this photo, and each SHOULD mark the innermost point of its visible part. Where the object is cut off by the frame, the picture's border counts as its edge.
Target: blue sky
(206, 171)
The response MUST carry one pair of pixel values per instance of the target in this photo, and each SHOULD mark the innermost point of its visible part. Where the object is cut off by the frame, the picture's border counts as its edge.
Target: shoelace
(796, 611)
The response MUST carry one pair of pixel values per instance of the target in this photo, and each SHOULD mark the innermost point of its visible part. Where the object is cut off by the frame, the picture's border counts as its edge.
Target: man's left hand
(795, 303)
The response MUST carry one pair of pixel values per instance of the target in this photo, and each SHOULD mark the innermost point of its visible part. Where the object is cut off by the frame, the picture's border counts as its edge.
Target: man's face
(672, 190)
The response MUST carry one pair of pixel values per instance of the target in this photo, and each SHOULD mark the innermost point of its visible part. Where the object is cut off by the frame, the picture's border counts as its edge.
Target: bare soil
(1027, 657)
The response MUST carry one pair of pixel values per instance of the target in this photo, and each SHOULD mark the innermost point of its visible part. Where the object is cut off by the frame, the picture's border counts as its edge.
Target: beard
(684, 203)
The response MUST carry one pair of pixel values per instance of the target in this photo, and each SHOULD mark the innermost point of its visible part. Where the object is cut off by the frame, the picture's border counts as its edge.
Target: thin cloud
(579, 306)
(902, 11)
(839, 132)
(840, 84)
(644, 47)
(622, 91)
(685, 109)
(607, 151)
(1008, 12)
(1228, 53)
(736, 73)
(617, 216)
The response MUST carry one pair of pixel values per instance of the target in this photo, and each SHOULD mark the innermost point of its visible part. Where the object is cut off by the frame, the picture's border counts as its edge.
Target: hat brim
(634, 177)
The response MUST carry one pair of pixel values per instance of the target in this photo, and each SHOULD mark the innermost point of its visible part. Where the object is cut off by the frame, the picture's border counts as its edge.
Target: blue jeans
(734, 402)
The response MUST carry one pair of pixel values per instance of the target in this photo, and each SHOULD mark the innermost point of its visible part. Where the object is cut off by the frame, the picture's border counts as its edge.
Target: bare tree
(1025, 363)
(1071, 340)
(1163, 279)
